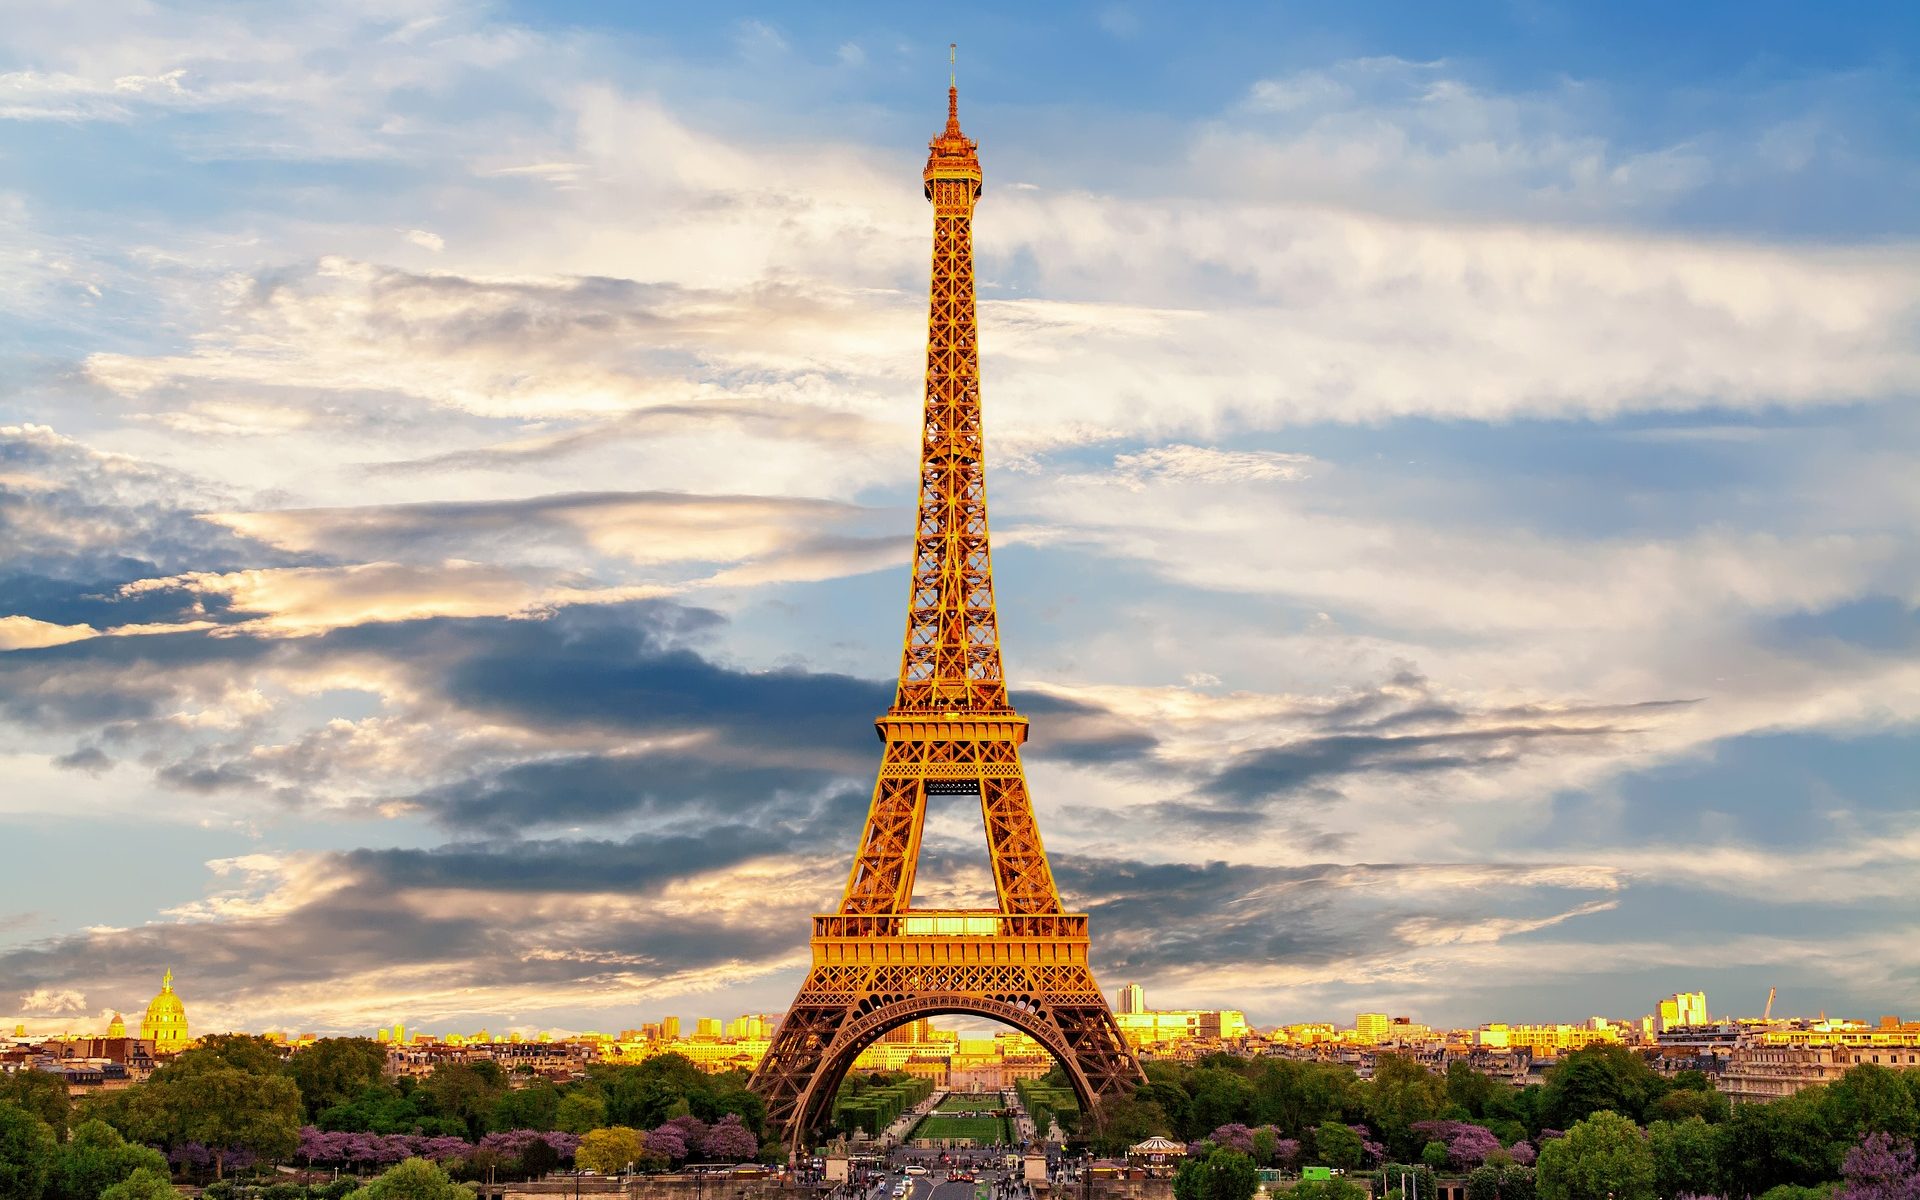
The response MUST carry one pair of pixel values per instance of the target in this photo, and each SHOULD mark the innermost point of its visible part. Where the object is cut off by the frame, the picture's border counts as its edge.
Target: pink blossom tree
(728, 1140)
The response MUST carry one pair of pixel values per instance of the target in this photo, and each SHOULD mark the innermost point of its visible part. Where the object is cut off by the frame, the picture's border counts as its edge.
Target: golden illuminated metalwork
(877, 963)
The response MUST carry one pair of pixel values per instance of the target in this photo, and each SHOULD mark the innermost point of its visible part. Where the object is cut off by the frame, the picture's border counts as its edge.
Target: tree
(1684, 1157)
(1872, 1099)
(1336, 1145)
(536, 1106)
(1517, 1183)
(414, 1179)
(610, 1150)
(242, 1051)
(1600, 1078)
(1129, 1119)
(42, 1093)
(581, 1109)
(1681, 1103)
(467, 1092)
(204, 1098)
(729, 1140)
(1786, 1141)
(96, 1158)
(26, 1153)
(1233, 1137)
(1402, 1093)
(1881, 1167)
(1327, 1189)
(144, 1184)
(332, 1071)
(1793, 1191)
(1434, 1154)
(1602, 1158)
(1476, 1094)
(1219, 1175)
(1483, 1183)
(1220, 1097)
(667, 1142)
(1295, 1096)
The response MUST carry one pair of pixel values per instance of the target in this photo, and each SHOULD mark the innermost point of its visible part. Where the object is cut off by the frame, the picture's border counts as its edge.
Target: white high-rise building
(1133, 999)
(1683, 1010)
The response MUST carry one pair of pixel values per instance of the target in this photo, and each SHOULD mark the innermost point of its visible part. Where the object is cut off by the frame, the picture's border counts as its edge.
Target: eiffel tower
(877, 962)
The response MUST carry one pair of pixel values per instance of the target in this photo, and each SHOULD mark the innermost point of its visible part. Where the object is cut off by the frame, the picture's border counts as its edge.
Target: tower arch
(891, 1012)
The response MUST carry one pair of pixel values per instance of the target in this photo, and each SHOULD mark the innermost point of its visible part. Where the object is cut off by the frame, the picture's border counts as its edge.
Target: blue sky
(1452, 478)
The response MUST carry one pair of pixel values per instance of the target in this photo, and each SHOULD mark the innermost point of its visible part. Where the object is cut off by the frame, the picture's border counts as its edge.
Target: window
(966, 926)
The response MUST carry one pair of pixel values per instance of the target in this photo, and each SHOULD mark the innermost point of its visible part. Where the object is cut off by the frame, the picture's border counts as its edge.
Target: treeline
(233, 1103)
(868, 1103)
(1604, 1104)
(1044, 1099)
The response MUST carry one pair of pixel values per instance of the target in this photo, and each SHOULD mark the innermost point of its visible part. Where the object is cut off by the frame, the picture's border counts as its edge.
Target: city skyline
(1453, 487)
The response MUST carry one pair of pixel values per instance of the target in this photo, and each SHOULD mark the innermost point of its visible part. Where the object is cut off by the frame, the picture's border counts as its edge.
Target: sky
(1452, 469)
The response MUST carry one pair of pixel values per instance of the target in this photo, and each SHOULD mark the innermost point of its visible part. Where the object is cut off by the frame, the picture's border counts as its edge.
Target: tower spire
(951, 658)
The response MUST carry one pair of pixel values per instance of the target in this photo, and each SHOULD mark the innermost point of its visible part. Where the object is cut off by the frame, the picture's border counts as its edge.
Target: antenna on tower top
(953, 74)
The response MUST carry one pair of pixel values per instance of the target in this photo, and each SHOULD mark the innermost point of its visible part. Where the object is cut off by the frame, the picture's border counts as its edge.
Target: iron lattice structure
(877, 962)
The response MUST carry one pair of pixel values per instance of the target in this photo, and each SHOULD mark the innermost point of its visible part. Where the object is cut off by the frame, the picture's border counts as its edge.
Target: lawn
(971, 1102)
(951, 1128)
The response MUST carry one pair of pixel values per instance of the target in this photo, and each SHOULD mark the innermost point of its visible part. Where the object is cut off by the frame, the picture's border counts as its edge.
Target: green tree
(1327, 1189)
(1163, 1088)
(414, 1179)
(610, 1150)
(581, 1109)
(332, 1071)
(1602, 1158)
(1685, 1157)
(1219, 1175)
(467, 1092)
(1220, 1097)
(1870, 1098)
(1600, 1078)
(1483, 1183)
(242, 1051)
(1294, 1096)
(42, 1093)
(206, 1099)
(1517, 1183)
(1335, 1145)
(535, 1106)
(1475, 1093)
(1400, 1093)
(1434, 1154)
(1790, 1140)
(1793, 1191)
(95, 1158)
(26, 1153)
(144, 1184)
(1128, 1119)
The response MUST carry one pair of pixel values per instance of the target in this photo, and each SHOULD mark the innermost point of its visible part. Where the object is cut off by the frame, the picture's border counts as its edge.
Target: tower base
(872, 974)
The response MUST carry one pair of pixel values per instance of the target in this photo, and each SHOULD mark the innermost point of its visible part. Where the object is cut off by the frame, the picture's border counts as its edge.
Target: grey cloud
(72, 518)
(84, 758)
(1155, 916)
(784, 420)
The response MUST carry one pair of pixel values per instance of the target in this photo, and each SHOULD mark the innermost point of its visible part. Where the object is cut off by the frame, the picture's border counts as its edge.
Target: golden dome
(117, 1027)
(166, 1020)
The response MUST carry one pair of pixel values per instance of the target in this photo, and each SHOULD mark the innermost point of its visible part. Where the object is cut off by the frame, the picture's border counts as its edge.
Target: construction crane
(1768, 1015)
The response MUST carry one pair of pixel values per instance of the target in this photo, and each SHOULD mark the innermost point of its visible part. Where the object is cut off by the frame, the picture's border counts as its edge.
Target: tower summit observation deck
(951, 730)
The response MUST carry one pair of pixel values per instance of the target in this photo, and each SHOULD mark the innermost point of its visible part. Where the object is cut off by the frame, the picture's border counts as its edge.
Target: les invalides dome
(166, 1020)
